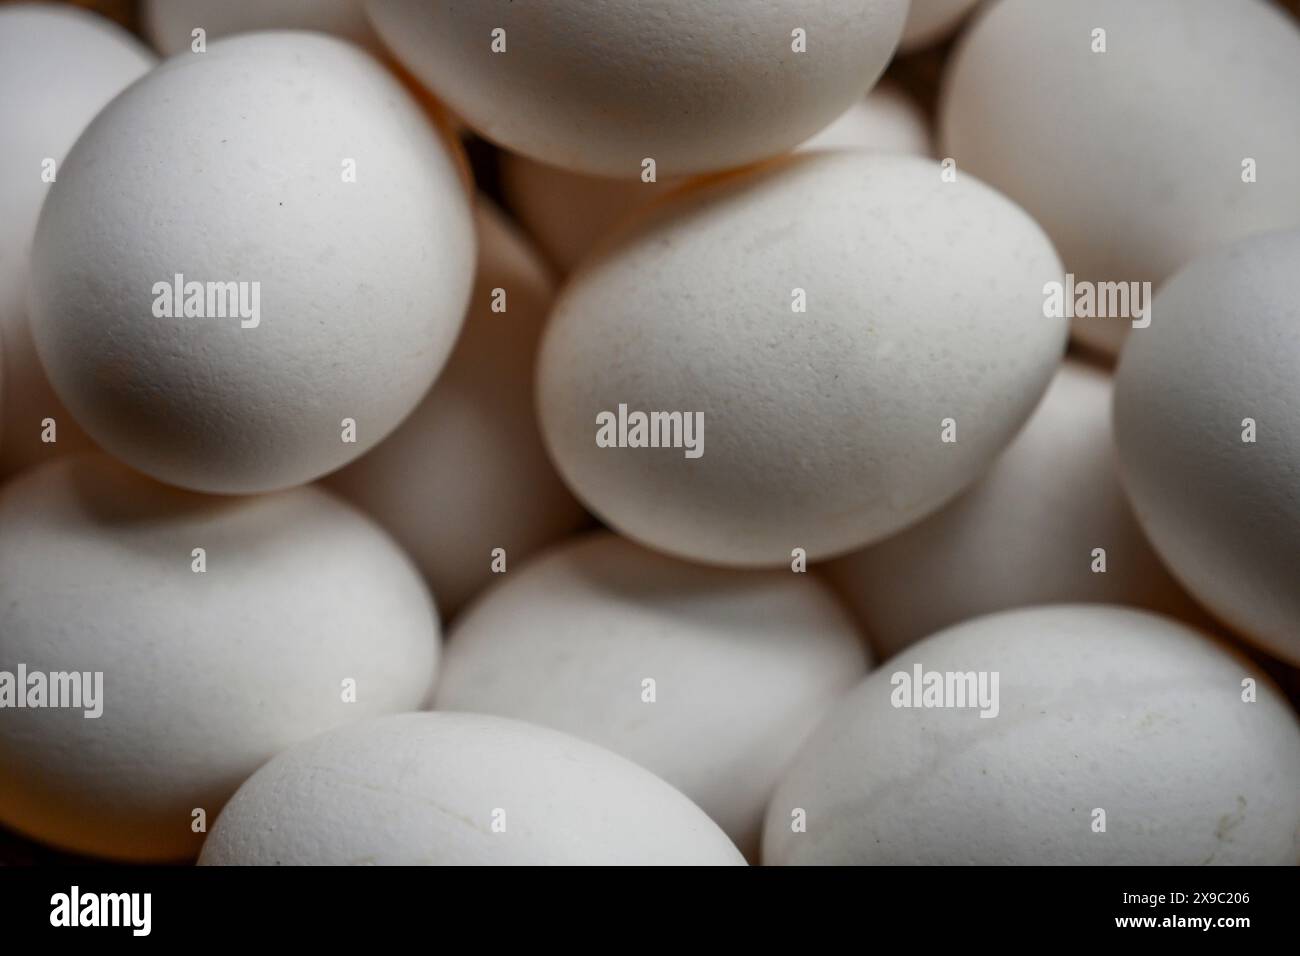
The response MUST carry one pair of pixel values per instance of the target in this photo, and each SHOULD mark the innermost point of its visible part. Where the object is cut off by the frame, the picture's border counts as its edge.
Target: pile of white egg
(290, 389)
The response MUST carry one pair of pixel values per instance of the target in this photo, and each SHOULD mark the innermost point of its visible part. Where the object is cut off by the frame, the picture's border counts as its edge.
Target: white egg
(929, 21)
(1118, 737)
(1050, 523)
(58, 67)
(710, 678)
(210, 660)
(1206, 405)
(599, 88)
(821, 326)
(887, 120)
(568, 213)
(466, 473)
(459, 789)
(253, 264)
(1181, 135)
(170, 24)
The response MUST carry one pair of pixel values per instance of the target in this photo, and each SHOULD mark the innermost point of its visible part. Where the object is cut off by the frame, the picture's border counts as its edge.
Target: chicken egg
(602, 88)
(1061, 734)
(464, 483)
(1050, 523)
(1138, 134)
(832, 346)
(253, 264)
(567, 213)
(710, 678)
(208, 632)
(930, 21)
(459, 789)
(1207, 424)
(58, 67)
(170, 24)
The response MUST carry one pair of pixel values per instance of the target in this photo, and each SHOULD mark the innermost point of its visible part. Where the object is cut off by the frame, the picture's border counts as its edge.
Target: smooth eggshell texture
(205, 675)
(169, 23)
(1099, 708)
(1223, 512)
(567, 213)
(929, 21)
(887, 120)
(823, 429)
(466, 473)
(1025, 534)
(58, 67)
(428, 789)
(743, 665)
(597, 88)
(363, 284)
(1132, 159)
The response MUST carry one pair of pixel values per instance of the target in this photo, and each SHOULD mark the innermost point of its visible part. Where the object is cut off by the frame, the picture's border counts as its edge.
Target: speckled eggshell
(567, 213)
(597, 88)
(466, 473)
(822, 429)
(1100, 708)
(742, 665)
(231, 166)
(58, 67)
(929, 21)
(1024, 535)
(205, 675)
(1131, 159)
(459, 789)
(170, 23)
(1223, 512)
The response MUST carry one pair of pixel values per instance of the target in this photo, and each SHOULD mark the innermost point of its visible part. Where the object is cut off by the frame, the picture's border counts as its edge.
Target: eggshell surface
(466, 473)
(1181, 135)
(206, 673)
(58, 67)
(823, 428)
(1206, 422)
(1100, 709)
(710, 678)
(171, 23)
(290, 175)
(887, 120)
(459, 789)
(1029, 533)
(930, 21)
(568, 213)
(598, 88)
